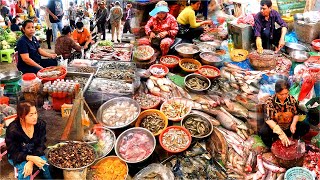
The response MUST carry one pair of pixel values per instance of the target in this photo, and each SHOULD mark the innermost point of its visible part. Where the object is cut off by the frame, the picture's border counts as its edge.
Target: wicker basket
(265, 61)
(239, 55)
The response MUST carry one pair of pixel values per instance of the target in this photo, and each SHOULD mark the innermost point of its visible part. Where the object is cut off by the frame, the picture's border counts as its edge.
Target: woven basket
(298, 172)
(265, 61)
(239, 55)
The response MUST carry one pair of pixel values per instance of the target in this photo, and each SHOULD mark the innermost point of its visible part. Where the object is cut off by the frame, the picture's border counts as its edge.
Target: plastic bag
(291, 37)
(160, 169)
(306, 87)
(302, 103)
(295, 90)
(316, 140)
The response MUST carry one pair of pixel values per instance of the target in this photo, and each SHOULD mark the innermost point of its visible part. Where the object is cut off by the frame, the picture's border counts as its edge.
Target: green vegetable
(105, 43)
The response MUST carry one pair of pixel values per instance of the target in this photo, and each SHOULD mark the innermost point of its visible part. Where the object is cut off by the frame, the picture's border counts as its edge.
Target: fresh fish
(274, 168)
(260, 164)
(226, 121)
(258, 175)
(240, 124)
(214, 121)
(249, 163)
(227, 75)
(250, 105)
(281, 176)
(238, 149)
(231, 133)
(197, 149)
(236, 108)
(249, 88)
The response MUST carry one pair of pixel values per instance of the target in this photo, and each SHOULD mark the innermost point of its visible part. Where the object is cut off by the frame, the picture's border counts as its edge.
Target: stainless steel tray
(87, 75)
(88, 61)
(111, 86)
(78, 69)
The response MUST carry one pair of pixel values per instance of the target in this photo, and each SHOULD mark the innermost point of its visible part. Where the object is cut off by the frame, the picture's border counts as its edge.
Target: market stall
(192, 114)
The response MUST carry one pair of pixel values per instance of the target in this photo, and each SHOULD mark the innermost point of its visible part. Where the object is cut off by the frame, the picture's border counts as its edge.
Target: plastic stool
(5, 55)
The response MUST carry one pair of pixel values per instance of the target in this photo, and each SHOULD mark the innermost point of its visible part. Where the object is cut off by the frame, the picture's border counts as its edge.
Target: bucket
(80, 174)
(298, 173)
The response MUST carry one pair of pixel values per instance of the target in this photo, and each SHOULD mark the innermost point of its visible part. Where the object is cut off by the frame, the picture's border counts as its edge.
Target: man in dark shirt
(55, 10)
(265, 30)
(101, 18)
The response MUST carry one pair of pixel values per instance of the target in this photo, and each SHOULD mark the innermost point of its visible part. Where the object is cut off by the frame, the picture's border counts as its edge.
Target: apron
(284, 119)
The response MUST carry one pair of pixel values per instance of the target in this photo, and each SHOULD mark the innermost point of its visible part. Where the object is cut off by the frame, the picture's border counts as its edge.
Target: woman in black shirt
(25, 140)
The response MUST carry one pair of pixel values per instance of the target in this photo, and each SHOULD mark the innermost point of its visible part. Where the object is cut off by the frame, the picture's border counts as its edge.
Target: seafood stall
(193, 114)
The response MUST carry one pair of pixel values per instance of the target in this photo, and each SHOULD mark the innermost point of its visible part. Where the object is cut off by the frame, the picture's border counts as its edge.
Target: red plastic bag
(307, 85)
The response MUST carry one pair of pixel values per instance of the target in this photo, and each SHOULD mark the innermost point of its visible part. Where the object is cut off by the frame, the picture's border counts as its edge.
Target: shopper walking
(101, 19)
(55, 10)
(72, 14)
(127, 27)
(115, 16)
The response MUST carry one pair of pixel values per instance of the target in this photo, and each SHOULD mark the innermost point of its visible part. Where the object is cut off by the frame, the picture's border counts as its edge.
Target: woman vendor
(188, 26)
(29, 51)
(25, 141)
(162, 27)
(281, 117)
(65, 44)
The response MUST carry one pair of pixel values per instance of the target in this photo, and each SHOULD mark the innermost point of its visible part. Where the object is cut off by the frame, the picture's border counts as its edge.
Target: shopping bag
(295, 90)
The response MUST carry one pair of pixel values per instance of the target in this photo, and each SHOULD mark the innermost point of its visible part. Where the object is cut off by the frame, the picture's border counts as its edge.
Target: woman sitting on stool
(25, 140)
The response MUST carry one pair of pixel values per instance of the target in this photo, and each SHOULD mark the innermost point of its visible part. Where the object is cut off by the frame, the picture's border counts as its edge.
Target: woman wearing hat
(188, 26)
(162, 27)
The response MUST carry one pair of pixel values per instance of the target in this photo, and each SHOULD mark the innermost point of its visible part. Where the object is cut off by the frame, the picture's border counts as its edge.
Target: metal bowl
(186, 55)
(299, 56)
(64, 143)
(217, 62)
(201, 117)
(145, 58)
(134, 130)
(289, 47)
(205, 47)
(10, 76)
(93, 143)
(200, 77)
(115, 101)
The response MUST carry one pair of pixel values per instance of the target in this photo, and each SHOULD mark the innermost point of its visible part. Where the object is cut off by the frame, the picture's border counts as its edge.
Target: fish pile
(210, 57)
(120, 113)
(175, 139)
(243, 161)
(126, 75)
(197, 83)
(190, 66)
(153, 123)
(195, 163)
(197, 125)
(135, 146)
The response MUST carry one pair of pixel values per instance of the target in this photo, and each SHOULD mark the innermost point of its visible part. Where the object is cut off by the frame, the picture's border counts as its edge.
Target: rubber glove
(282, 136)
(259, 45)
